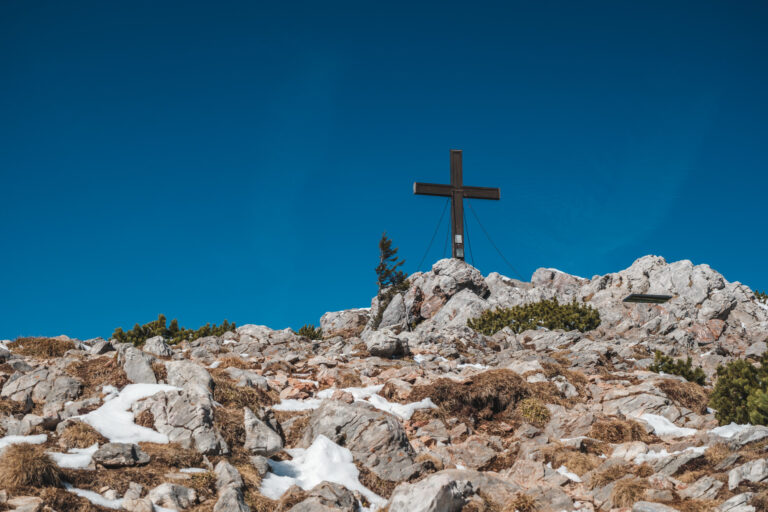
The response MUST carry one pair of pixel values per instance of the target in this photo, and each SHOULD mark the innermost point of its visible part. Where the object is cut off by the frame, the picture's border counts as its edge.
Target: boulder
(190, 377)
(376, 438)
(347, 324)
(753, 471)
(327, 497)
(119, 455)
(173, 496)
(385, 343)
(156, 345)
(231, 500)
(260, 438)
(136, 364)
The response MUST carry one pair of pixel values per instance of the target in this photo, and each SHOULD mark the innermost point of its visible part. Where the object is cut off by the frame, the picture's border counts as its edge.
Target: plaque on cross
(457, 191)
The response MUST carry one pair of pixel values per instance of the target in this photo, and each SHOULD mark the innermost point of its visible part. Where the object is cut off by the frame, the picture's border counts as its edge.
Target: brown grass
(378, 485)
(760, 501)
(238, 362)
(487, 395)
(533, 411)
(60, 499)
(522, 503)
(618, 471)
(41, 347)
(229, 395)
(145, 419)
(80, 435)
(11, 407)
(172, 455)
(627, 492)
(161, 373)
(688, 394)
(98, 372)
(578, 462)
(230, 424)
(27, 465)
(294, 431)
(696, 505)
(619, 431)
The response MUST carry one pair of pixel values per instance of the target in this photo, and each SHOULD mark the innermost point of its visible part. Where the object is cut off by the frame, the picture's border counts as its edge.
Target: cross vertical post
(457, 192)
(457, 206)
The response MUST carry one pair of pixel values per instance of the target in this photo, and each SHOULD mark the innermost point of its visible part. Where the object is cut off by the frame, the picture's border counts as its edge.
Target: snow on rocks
(322, 461)
(75, 458)
(114, 419)
(663, 427)
(9, 440)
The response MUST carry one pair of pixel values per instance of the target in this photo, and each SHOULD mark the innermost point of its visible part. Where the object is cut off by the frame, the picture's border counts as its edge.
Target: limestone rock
(118, 455)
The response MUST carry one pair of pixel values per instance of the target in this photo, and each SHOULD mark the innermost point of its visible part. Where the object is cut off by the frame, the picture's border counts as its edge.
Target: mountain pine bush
(546, 313)
(740, 392)
(311, 332)
(172, 333)
(683, 368)
(389, 277)
(762, 297)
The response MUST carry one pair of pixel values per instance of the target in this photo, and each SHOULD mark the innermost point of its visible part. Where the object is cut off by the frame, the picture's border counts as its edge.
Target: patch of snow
(366, 394)
(95, 498)
(764, 306)
(419, 358)
(215, 364)
(76, 458)
(573, 477)
(229, 342)
(663, 427)
(730, 430)
(460, 466)
(114, 419)
(9, 440)
(193, 470)
(566, 273)
(472, 365)
(291, 404)
(647, 457)
(324, 461)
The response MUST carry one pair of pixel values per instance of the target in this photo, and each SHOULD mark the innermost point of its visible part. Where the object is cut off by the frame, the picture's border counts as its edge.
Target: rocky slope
(435, 417)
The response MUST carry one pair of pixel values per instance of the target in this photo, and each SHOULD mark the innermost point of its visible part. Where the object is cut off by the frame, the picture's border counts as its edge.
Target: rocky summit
(402, 406)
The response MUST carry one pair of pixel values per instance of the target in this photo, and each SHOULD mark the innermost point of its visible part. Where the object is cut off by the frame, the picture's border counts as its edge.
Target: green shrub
(683, 368)
(739, 393)
(762, 297)
(311, 332)
(172, 333)
(546, 313)
(390, 279)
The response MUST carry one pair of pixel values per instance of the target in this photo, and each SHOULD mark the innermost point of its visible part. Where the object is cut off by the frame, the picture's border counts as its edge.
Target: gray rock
(136, 364)
(19, 386)
(327, 496)
(385, 343)
(173, 496)
(433, 494)
(705, 488)
(753, 471)
(348, 323)
(157, 346)
(647, 506)
(231, 500)
(138, 505)
(186, 418)
(738, 503)
(247, 379)
(260, 464)
(101, 347)
(376, 439)
(118, 455)
(260, 438)
(190, 377)
(227, 475)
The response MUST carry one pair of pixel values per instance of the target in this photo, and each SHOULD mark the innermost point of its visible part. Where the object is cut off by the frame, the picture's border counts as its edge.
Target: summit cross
(457, 191)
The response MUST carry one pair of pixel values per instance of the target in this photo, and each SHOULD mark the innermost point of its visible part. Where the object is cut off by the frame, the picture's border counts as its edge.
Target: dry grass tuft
(688, 394)
(760, 501)
(431, 462)
(697, 505)
(232, 361)
(717, 453)
(230, 424)
(80, 435)
(378, 485)
(229, 395)
(483, 396)
(60, 499)
(27, 465)
(522, 503)
(41, 347)
(145, 419)
(172, 455)
(204, 484)
(533, 411)
(98, 372)
(10, 407)
(627, 492)
(294, 423)
(161, 373)
(578, 462)
(619, 431)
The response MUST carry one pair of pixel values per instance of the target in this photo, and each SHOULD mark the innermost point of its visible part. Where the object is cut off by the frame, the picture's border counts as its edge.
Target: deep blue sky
(240, 160)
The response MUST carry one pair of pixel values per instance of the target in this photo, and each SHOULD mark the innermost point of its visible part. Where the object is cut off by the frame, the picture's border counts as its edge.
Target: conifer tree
(387, 271)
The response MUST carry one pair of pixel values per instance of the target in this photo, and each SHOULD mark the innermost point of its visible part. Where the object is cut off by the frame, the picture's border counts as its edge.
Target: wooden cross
(457, 192)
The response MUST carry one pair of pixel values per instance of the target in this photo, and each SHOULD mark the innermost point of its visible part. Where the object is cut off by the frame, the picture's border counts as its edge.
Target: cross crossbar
(457, 192)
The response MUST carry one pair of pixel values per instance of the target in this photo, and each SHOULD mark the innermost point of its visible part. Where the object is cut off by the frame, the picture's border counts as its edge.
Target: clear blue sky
(239, 160)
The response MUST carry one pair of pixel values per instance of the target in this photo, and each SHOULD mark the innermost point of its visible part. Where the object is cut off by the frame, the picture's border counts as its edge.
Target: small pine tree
(387, 271)
(389, 277)
(682, 367)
